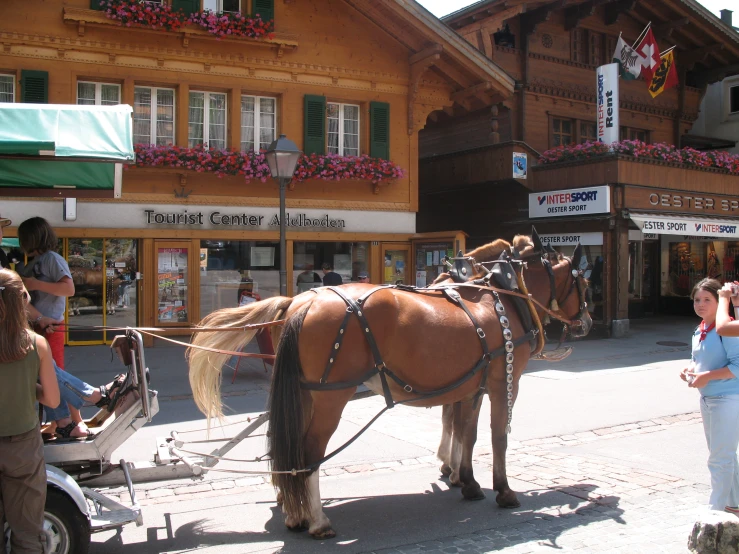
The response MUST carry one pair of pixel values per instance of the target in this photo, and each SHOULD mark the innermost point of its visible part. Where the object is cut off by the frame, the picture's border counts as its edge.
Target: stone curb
(529, 461)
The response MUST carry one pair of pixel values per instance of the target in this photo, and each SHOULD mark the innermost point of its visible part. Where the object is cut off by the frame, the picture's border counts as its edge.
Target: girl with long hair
(713, 370)
(26, 376)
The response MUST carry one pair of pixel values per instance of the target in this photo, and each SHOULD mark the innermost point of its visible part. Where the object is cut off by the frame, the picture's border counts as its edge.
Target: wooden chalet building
(351, 78)
(646, 241)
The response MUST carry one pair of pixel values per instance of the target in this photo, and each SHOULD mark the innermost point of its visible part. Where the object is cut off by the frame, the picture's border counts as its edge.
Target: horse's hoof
(446, 471)
(297, 527)
(507, 499)
(323, 533)
(472, 492)
(455, 481)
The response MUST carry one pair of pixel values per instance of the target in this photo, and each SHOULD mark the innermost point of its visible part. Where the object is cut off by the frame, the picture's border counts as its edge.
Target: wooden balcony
(615, 169)
(486, 165)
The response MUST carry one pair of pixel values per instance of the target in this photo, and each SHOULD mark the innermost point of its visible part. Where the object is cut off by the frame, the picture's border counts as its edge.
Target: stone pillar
(620, 323)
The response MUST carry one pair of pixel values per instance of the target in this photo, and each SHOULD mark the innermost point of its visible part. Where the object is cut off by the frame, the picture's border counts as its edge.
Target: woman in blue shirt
(713, 369)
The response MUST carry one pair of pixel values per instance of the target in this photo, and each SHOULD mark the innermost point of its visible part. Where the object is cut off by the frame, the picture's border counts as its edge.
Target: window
(153, 115)
(207, 126)
(588, 132)
(343, 129)
(629, 133)
(7, 88)
(561, 131)
(220, 6)
(579, 50)
(258, 122)
(596, 48)
(734, 100)
(98, 94)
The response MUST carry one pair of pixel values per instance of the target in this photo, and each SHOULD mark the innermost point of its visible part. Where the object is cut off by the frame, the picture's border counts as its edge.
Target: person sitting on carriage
(76, 393)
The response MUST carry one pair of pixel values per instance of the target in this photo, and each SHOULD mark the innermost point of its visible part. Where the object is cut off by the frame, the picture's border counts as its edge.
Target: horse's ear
(577, 255)
(538, 246)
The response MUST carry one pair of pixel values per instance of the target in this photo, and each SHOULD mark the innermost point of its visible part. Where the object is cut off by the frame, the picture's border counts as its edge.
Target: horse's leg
(444, 452)
(506, 498)
(455, 449)
(465, 427)
(327, 409)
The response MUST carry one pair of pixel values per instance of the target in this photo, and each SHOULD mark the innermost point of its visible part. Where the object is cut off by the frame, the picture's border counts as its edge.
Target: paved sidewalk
(611, 507)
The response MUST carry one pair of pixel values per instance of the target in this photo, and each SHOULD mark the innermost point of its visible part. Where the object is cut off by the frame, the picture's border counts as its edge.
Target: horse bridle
(578, 283)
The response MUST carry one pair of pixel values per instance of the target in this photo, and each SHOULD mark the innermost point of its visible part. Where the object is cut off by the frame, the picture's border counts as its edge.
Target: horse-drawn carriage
(471, 333)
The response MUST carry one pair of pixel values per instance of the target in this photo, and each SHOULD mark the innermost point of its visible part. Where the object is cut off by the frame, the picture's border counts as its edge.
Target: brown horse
(389, 338)
(459, 420)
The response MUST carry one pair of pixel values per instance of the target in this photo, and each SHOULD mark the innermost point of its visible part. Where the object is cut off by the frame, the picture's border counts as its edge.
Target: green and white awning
(61, 150)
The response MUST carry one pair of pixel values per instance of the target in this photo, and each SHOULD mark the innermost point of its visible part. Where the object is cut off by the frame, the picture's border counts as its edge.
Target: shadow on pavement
(384, 522)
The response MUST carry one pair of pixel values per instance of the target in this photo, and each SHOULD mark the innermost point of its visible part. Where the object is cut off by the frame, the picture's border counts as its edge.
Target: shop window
(342, 129)
(630, 133)
(588, 132)
(688, 263)
(345, 258)
(258, 122)
(153, 115)
(561, 131)
(7, 88)
(234, 273)
(207, 120)
(98, 94)
(429, 263)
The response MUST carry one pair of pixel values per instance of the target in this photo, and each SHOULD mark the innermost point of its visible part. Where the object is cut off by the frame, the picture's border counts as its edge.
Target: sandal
(64, 434)
(107, 398)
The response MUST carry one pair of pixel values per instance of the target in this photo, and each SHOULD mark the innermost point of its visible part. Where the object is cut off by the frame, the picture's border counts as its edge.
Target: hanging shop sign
(520, 165)
(556, 203)
(571, 239)
(656, 199)
(674, 225)
(606, 86)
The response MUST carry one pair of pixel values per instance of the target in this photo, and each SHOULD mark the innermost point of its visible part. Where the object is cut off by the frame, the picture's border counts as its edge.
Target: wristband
(39, 318)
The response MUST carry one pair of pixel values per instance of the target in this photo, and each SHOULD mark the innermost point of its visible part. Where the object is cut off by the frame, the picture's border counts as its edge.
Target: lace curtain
(142, 116)
(258, 122)
(343, 129)
(151, 103)
(217, 121)
(165, 116)
(6, 88)
(87, 94)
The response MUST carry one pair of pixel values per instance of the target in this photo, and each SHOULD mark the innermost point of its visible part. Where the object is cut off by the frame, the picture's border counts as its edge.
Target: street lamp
(282, 157)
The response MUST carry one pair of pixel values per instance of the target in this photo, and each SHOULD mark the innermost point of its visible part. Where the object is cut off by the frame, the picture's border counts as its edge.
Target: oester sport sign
(556, 203)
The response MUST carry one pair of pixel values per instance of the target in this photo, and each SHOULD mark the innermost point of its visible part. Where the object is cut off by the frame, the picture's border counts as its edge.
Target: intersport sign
(557, 203)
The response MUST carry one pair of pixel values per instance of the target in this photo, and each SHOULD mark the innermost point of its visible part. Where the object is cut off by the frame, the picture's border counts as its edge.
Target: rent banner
(606, 86)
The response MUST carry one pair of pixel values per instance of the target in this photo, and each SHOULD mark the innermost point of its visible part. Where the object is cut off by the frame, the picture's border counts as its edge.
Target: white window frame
(98, 91)
(219, 6)
(257, 128)
(153, 122)
(12, 79)
(341, 127)
(206, 117)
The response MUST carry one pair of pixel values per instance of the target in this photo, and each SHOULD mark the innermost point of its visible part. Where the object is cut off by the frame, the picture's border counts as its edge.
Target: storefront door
(395, 264)
(173, 293)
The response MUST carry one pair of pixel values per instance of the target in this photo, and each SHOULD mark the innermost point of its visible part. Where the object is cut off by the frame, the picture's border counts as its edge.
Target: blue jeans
(721, 425)
(71, 391)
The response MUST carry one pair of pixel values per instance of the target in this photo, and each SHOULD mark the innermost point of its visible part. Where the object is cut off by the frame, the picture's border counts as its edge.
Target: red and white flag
(649, 51)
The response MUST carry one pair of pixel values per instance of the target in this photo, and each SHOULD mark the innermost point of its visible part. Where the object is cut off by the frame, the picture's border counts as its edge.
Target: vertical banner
(606, 86)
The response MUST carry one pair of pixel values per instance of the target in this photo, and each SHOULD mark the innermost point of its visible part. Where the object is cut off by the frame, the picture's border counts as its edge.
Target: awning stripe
(686, 225)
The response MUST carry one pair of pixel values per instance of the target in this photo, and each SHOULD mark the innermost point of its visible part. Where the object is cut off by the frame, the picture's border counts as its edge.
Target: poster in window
(520, 165)
(420, 278)
(262, 256)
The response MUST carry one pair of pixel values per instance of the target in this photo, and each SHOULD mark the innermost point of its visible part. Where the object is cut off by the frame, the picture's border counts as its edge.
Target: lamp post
(282, 158)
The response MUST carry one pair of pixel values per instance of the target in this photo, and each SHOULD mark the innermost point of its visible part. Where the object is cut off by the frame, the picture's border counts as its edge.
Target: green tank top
(18, 394)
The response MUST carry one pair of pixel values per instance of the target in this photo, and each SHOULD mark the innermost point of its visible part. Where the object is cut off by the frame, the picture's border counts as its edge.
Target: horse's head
(556, 281)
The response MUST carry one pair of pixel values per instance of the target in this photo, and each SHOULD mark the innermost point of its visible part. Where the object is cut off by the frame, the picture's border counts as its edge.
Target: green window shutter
(380, 130)
(186, 6)
(314, 133)
(34, 87)
(95, 5)
(265, 9)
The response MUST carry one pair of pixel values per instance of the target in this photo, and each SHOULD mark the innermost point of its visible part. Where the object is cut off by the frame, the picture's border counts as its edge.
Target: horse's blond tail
(206, 366)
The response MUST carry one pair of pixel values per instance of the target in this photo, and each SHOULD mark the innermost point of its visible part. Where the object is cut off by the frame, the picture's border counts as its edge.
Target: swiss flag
(649, 51)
